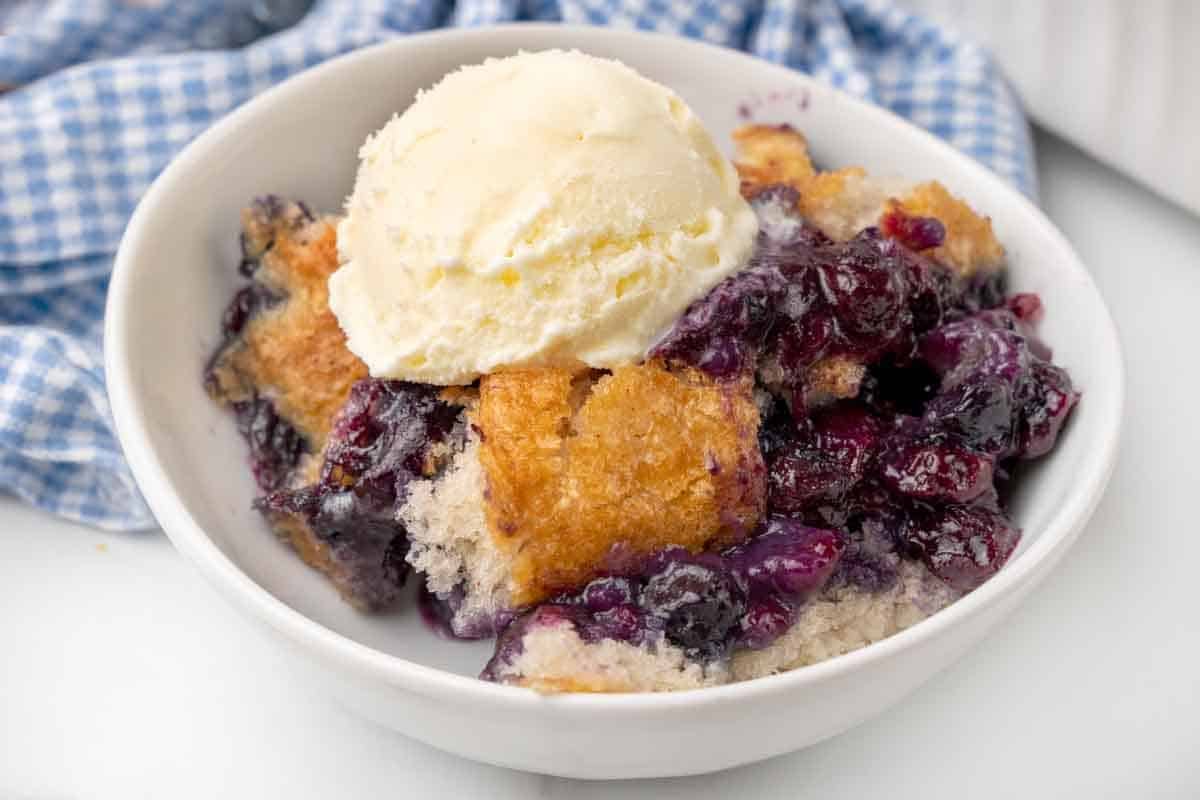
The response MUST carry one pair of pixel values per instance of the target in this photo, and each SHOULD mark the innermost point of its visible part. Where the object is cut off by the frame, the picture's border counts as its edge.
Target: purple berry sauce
(379, 443)
(706, 604)
(957, 389)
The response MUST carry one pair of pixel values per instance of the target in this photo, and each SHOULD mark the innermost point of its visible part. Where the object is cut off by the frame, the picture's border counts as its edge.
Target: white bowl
(175, 273)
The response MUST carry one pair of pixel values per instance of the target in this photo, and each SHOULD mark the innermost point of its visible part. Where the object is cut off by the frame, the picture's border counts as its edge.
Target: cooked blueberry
(979, 412)
(848, 434)
(380, 439)
(272, 209)
(699, 605)
(985, 344)
(825, 463)
(991, 360)
(603, 594)
(1046, 400)
(915, 233)
(804, 296)
(365, 547)
(802, 475)
(963, 545)
(275, 446)
(251, 256)
(264, 216)
(788, 559)
(623, 623)
(766, 619)
(720, 332)
(866, 289)
(937, 470)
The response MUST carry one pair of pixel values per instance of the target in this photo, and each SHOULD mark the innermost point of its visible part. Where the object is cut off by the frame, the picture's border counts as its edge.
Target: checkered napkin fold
(98, 95)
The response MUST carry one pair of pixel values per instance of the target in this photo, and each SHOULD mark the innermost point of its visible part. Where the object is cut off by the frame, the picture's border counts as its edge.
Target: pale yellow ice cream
(541, 209)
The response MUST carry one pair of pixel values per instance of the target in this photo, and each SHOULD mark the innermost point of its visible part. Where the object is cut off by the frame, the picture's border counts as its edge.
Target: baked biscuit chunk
(971, 246)
(581, 471)
(284, 343)
(843, 202)
(769, 154)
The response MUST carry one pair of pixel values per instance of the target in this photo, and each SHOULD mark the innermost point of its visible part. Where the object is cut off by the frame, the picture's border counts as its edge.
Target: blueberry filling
(804, 297)
(706, 604)
(958, 388)
(962, 545)
(379, 443)
(275, 446)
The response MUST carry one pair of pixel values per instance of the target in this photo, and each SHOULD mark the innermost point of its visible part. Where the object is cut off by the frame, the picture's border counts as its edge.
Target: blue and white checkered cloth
(96, 96)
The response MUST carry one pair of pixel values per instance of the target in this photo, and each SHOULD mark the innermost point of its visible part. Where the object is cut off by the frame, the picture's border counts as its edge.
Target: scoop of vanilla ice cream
(543, 209)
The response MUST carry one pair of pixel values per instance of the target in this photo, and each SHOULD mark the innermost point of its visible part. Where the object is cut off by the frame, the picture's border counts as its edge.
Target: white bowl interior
(301, 141)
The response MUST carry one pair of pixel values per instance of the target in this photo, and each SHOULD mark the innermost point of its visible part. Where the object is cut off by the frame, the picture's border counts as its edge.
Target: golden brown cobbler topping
(649, 458)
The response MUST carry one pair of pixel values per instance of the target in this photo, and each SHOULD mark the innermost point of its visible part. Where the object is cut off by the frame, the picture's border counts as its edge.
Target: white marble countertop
(123, 675)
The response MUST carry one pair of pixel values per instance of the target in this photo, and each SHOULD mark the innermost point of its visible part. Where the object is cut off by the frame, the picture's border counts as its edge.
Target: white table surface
(123, 675)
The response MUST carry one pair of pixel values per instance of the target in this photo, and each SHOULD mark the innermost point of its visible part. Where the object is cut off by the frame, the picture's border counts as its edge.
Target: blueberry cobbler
(774, 428)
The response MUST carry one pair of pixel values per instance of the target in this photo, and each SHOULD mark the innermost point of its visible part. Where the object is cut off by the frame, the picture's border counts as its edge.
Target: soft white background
(123, 675)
